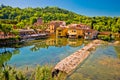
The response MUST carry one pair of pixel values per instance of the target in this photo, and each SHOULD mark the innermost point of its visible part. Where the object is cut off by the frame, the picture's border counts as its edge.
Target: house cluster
(60, 29)
(72, 30)
(51, 29)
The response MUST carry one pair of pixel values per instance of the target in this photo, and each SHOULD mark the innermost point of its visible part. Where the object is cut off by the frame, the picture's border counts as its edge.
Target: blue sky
(84, 7)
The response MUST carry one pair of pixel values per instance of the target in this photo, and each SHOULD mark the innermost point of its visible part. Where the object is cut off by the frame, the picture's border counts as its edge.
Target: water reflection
(75, 42)
(57, 42)
(6, 55)
(117, 48)
(44, 51)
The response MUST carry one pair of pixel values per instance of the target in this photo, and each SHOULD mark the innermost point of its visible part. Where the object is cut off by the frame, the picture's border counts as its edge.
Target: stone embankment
(116, 42)
(71, 62)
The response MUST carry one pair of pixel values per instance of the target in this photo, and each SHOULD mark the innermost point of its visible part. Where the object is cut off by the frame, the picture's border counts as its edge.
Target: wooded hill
(27, 16)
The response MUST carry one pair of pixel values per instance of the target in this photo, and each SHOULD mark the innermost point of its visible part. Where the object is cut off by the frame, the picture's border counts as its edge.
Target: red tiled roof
(61, 27)
(79, 26)
(57, 22)
(22, 30)
(91, 30)
(104, 33)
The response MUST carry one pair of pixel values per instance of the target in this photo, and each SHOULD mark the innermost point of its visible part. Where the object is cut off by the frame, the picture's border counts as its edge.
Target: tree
(6, 29)
(33, 20)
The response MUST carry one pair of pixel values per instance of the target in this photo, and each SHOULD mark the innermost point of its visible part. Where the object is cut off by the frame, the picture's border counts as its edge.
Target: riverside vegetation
(39, 73)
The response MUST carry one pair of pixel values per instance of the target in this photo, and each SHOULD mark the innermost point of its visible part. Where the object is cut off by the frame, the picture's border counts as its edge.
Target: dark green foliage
(6, 75)
(105, 37)
(9, 73)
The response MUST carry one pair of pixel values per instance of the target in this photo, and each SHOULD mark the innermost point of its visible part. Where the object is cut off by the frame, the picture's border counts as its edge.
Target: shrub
(104, 37)
(9, 73)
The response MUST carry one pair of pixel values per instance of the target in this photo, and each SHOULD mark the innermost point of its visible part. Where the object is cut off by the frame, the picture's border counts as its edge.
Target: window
(74, 31)
(59, 33)
(59, 30)
(88, 32)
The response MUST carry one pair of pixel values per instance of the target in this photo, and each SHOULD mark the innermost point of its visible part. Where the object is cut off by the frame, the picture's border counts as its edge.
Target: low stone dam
(71, 62)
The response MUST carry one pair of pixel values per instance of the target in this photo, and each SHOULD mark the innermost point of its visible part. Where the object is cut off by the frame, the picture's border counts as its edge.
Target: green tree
(33, 20)
(6, 29)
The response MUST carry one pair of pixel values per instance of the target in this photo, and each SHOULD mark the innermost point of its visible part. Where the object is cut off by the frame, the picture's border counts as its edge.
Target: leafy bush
(104, 37)
(9, 73)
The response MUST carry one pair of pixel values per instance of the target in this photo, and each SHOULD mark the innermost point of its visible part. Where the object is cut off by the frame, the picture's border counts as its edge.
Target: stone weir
(71, 62)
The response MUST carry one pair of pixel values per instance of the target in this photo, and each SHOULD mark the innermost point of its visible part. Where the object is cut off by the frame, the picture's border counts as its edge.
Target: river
(102, 64)
(43, 52)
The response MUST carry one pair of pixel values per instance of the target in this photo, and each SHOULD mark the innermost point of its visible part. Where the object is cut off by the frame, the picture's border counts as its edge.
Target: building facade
(54, 25)
(90, 34)
(74, 31)
(62, 32)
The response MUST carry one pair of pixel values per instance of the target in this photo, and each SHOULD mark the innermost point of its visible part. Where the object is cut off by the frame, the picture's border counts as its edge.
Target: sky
(83, 7)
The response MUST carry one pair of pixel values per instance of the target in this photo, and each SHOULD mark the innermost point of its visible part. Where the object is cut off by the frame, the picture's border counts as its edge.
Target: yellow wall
(80, 32)
(77, 32)
(51, 28)
(61, 32)
(72, 31)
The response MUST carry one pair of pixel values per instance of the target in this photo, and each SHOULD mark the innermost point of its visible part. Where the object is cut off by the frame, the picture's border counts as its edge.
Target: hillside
(27, 16)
